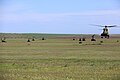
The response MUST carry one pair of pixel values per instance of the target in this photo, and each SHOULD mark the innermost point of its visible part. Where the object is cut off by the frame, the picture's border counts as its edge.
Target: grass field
(59, 59)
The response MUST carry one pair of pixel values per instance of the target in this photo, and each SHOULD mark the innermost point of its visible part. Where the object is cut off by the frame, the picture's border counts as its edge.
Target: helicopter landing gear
(101, 37)
(106, 36)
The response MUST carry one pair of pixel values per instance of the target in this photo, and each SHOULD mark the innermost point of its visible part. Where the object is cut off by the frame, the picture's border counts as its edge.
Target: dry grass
(59, 59)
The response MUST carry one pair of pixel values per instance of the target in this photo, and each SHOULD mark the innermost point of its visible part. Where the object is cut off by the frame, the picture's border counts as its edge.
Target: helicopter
(105, 33)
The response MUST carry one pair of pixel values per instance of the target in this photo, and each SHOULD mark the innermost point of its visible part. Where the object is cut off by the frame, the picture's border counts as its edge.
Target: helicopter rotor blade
(105, 25)
(97, 25)
(113, 26)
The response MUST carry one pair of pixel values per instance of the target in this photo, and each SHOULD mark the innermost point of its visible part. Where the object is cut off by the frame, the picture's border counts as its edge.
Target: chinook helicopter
(105, 33)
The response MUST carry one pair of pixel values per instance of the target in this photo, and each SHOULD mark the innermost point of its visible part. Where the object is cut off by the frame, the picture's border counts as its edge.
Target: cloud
(21, 12)
(13, 7)
(97, 13)
(39, 17)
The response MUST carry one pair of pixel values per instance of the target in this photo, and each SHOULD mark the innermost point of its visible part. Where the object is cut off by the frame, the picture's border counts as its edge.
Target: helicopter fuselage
(105, 33)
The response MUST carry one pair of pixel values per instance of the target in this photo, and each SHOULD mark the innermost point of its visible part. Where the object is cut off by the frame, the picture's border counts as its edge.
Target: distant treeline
(34, 35)
(24, 35)
(39, 35)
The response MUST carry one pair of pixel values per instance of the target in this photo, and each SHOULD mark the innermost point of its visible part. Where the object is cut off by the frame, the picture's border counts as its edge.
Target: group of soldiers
(84, 39)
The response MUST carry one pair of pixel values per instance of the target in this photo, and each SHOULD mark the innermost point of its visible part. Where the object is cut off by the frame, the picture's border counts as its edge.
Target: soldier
(83, 39)
(93, 38)
(28, 40)
(80, 39)
(3, 39)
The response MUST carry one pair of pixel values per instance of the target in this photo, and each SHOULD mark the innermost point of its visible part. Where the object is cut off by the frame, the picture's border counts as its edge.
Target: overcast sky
(58, 16)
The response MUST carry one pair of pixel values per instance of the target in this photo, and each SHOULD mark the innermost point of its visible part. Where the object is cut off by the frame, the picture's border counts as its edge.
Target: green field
(59, 59)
